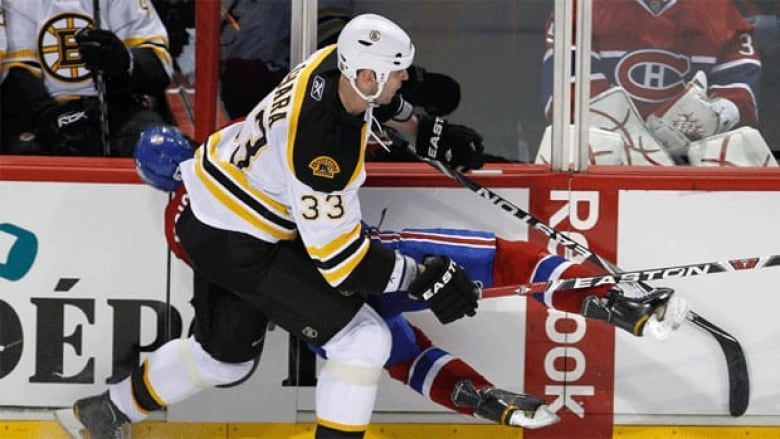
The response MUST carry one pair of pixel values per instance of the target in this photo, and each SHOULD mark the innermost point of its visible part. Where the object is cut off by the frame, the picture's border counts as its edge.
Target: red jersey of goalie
(653, 48)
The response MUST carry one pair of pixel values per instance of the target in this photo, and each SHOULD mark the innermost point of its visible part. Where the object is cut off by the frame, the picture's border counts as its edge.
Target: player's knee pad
(208, 371)
(365, 341)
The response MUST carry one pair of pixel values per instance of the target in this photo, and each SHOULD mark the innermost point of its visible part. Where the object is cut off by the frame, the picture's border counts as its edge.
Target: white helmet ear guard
(373, 42)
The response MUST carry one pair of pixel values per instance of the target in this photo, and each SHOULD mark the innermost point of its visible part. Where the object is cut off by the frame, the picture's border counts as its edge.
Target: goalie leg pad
(613, 111)
(604, 147)
(741, 147)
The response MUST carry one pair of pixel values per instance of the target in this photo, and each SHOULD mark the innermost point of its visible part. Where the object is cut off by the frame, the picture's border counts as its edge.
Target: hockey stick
(736, 363)
(100, 87)
(650, 274)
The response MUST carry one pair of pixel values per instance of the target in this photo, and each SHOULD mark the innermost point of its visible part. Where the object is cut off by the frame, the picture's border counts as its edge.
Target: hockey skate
(95, 417)
(502, 407)
(657, 313)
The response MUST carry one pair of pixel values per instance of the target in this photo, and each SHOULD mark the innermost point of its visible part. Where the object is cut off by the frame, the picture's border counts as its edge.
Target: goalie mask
(374, 43)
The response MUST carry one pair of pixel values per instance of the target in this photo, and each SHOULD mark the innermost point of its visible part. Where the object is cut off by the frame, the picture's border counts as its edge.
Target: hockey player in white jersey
(49, 98)
(274, 219)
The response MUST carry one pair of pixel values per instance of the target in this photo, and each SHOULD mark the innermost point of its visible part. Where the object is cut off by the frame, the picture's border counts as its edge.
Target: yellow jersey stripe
(328, 250)
(361, 160)
(337, 275)
(300, 94)
(249, 215)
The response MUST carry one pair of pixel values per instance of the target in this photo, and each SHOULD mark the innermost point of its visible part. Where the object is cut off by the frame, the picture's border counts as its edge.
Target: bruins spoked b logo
(57, 48)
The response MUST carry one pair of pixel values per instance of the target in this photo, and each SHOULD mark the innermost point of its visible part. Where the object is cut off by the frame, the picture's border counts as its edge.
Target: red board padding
(68, 169)
(122, 170)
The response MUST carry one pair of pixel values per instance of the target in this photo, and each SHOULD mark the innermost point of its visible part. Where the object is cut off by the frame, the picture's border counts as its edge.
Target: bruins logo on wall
(57, 48)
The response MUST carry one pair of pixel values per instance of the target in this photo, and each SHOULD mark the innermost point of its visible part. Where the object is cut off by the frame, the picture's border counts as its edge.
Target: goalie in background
(49, 99)
(671, 83)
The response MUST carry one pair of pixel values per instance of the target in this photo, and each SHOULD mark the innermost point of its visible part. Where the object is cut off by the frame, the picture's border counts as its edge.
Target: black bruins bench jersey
(294, 167)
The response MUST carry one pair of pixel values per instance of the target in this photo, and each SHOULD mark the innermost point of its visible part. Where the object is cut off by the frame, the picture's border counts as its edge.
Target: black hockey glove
(103, 51)
(436, 93)
(457, 145)
(446, 288)
(70, 128)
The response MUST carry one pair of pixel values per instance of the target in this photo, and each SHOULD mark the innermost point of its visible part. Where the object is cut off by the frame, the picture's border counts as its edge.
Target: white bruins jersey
(40, 38)
(293, 168)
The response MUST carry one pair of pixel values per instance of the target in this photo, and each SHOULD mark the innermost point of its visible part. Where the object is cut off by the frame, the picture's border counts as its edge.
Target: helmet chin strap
(372, 98)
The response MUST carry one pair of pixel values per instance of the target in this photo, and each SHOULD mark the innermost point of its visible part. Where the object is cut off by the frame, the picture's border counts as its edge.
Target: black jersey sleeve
(399, 109)
(371, 275)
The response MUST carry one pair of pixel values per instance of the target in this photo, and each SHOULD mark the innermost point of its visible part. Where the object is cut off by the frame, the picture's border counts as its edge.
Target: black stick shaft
(100, 87)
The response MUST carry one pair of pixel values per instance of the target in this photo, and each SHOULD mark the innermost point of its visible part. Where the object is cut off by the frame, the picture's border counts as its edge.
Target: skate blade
(69, 422)
(542, 418)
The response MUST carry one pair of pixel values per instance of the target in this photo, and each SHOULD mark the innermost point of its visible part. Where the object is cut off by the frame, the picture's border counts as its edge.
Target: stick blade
(736, 363)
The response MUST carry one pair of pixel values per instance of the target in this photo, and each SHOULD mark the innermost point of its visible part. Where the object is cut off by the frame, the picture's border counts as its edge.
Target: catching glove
(457, 145)
(446, 288)
(436, 93)
(103, 51)
(692, 116)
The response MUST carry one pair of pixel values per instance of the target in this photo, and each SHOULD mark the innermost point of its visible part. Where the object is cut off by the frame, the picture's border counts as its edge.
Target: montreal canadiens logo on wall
(59, 54)
(652, 75)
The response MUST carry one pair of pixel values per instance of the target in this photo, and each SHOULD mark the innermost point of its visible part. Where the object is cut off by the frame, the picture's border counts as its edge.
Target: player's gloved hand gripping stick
(739, 382)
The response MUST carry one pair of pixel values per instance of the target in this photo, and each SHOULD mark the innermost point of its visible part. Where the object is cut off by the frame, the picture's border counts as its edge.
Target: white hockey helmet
(373, 42)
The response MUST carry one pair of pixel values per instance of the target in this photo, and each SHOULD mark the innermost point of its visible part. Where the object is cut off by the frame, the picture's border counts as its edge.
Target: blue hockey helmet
(158, 153)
